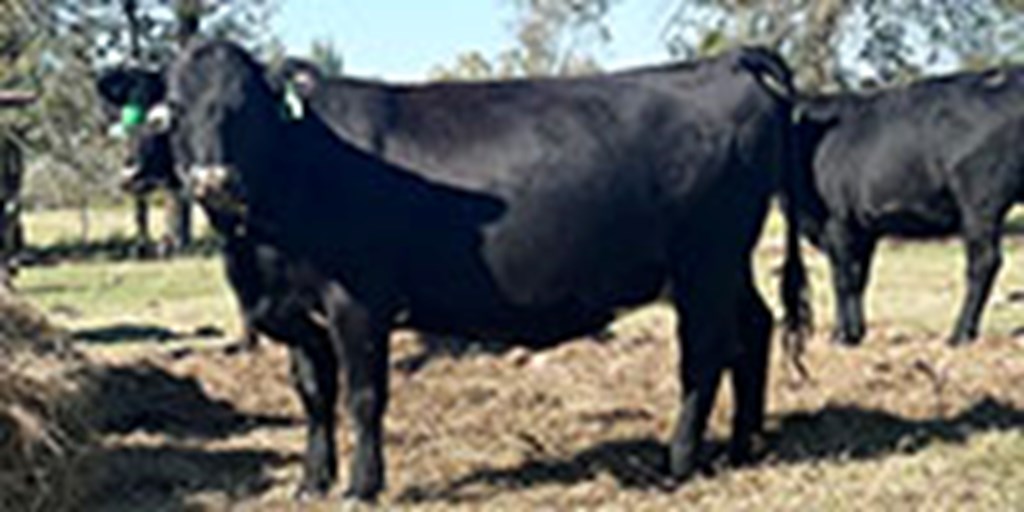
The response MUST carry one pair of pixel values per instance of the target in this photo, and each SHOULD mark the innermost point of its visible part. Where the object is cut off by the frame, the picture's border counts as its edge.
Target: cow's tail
(773, 73)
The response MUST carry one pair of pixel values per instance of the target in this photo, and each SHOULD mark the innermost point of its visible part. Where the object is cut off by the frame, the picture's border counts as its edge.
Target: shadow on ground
(175, 477)
(831, 433)
(850, 432)
(125, 332)
(113, 248)
(170, 466)
(146, 398)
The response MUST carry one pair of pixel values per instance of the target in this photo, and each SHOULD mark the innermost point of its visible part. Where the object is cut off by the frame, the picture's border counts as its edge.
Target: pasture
(902, 423)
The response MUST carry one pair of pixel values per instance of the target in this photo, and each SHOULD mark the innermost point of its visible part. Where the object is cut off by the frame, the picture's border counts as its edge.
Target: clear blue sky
(404, 39)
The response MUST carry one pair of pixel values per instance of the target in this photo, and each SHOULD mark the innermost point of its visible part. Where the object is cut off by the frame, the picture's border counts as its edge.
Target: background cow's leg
(750, 371)
(705, 311)
(984, 258)
(248, 340)
(250, 337)
(363, 347)
(315, 371)
(850, 251)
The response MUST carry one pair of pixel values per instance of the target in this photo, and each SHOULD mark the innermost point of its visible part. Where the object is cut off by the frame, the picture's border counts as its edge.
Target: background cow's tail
(773, 73)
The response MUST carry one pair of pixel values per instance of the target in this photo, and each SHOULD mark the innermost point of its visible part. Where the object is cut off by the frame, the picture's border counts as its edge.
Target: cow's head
(137, 96)
(227, 117)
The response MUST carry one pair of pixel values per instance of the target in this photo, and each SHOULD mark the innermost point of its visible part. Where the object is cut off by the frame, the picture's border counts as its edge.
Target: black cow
(149, 165)
(524, 211)
(934, 158)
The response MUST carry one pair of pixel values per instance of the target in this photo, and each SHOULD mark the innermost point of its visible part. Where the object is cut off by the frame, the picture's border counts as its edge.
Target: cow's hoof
(681, 470)
(312, 490)
(741, 455)
(961, 340)
(845, 339)
(356, 498)
(353, 504)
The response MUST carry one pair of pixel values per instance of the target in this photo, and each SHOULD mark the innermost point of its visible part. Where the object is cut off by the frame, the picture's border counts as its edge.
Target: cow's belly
(915, 216)
(900, 191)
(540, 273)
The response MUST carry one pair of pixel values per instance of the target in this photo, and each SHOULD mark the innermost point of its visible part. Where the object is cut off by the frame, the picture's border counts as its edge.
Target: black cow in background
(149, 166)
(937, 157)
(526, 212)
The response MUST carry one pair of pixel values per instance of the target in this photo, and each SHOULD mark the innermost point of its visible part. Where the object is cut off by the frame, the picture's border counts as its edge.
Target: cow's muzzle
(208, 180)
(213, 186)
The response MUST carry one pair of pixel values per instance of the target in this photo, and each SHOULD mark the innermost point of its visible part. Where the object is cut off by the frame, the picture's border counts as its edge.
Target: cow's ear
(303, 76)
(131, 86)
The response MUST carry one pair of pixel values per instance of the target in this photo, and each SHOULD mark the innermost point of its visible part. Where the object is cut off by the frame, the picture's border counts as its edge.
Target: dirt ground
(899, 424)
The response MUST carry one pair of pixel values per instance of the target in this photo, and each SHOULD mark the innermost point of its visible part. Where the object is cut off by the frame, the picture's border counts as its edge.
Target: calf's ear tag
(294, 108)
(132, 116)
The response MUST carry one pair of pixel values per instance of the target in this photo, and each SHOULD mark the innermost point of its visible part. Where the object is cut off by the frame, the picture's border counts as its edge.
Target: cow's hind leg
(705, 320)
(750, 372)
(362, 344)
(850, 251)
(984, 258)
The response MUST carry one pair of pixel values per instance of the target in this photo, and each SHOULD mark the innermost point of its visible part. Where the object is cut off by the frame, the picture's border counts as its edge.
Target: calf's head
(137, 96)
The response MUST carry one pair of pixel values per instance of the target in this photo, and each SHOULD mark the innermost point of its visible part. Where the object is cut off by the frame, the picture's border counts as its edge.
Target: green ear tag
(295, 110)
(132, 116)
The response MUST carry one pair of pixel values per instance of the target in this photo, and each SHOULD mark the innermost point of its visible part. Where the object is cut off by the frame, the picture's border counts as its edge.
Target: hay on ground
(42, 409)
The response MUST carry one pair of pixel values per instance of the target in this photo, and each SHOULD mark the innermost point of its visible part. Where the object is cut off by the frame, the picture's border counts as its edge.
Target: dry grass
(898, 425)
(43, 425)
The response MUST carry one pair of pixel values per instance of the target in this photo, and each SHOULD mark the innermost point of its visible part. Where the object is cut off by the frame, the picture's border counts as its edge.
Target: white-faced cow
(937, 157)
(524, 211)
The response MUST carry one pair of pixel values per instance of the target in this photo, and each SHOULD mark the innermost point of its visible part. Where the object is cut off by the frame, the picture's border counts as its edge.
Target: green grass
(182, 296)
(916, 287)
(48, 227)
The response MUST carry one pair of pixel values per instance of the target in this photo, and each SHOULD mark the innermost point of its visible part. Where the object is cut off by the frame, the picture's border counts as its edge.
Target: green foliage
(327, 56)
(844, 44)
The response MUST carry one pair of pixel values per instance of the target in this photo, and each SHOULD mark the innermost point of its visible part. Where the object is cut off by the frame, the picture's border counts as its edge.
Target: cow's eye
(160, 117)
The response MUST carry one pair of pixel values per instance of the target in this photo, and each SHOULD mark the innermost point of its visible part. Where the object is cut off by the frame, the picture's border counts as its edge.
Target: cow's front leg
(984, 259)
(315, 372)
(361, 340)
(850, 252)
(247, 341)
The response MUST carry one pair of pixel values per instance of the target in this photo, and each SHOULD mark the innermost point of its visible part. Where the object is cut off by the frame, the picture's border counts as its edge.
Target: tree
(553, 37)
(327, 56)
(844, 44)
